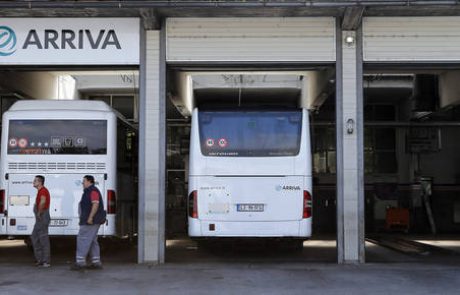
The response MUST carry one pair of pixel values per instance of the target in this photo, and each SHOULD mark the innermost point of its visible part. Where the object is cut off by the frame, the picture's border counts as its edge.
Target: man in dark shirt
(90, 209)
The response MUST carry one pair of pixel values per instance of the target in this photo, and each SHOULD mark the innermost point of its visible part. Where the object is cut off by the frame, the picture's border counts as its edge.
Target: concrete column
(350, 133)
(151, 239)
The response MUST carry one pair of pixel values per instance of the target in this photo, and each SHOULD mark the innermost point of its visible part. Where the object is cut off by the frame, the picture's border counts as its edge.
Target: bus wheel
(297, 245)
(294, 245)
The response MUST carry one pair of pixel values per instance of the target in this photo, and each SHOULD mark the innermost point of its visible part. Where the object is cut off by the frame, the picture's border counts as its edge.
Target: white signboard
(69, 41)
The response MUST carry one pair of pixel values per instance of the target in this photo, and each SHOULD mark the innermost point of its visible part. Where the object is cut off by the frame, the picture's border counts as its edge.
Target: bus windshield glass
(69, 137)
(250, 133)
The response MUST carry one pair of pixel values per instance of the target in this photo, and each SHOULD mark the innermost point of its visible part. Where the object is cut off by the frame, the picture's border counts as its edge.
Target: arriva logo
(287, 188)
(7, 41)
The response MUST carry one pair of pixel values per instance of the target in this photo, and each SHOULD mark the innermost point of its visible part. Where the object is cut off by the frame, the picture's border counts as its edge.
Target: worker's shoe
(44, 265)
(95, 266)
(77, 267)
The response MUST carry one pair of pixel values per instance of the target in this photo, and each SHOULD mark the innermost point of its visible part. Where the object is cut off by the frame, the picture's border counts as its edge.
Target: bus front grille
(55, 166)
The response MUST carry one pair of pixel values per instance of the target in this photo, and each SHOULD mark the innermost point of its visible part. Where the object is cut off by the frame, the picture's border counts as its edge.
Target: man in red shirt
(39, 237)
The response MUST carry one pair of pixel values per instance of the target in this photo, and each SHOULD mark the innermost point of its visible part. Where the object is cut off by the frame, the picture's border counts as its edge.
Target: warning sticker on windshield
(210, 142)
(223, 142)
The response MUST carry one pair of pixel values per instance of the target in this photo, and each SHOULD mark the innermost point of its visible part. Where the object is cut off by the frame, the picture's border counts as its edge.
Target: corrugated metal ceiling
(287, 8)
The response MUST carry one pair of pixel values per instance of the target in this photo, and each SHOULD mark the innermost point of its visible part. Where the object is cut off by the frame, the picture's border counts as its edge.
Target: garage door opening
(219, 237)
(37, 91)
(411, 126)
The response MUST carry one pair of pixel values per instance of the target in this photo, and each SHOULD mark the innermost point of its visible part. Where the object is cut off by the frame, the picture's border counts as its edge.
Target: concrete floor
(237, 270)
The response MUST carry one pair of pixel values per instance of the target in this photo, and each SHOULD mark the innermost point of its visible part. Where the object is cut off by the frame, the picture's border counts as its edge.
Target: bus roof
(70, 105)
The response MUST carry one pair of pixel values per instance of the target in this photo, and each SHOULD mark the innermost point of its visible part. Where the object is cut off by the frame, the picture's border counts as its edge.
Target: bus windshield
(250, 133)
(70, 137)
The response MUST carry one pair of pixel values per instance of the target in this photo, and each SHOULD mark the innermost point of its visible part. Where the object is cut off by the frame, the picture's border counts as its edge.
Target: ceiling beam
(150, 19)
(352, 17)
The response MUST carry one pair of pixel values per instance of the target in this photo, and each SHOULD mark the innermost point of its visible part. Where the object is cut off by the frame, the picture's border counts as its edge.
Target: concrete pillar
(151, 239)
(350, 137)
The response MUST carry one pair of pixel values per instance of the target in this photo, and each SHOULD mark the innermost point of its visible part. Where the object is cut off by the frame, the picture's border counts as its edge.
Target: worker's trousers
(87, 245)
(40, 239)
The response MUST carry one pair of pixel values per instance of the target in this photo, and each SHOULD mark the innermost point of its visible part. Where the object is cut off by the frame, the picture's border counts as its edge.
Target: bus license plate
(59, 222)
(250, 207)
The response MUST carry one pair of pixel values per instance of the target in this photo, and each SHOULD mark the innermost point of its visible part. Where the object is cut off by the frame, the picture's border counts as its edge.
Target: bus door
(20, 199)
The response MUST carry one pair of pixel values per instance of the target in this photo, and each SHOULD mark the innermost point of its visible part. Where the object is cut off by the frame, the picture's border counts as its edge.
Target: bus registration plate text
(59, 222)
(250, 207)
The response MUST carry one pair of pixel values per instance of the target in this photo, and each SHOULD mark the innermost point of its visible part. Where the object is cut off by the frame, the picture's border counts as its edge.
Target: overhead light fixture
(350, 40)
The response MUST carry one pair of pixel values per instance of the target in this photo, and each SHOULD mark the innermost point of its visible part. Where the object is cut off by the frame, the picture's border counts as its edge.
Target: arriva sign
(66, 39)
(77, 41)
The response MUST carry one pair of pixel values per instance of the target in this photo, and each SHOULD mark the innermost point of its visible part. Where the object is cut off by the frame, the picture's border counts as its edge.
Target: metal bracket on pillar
(150, 19)
(350, 126)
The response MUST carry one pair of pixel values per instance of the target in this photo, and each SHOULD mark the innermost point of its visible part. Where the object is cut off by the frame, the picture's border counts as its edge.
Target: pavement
(191, 270)
(238, 278)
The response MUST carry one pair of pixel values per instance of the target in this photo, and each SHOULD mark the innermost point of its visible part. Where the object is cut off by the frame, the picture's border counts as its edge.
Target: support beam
(352, 18)
(150, 19)
(350, 176)
(151, 239)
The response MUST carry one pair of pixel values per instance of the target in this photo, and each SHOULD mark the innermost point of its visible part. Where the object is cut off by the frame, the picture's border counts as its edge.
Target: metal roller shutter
(389, 39)
(250, 39)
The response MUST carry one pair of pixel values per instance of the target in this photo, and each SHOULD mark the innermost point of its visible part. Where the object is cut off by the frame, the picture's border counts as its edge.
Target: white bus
(250, 174)
(63, 141)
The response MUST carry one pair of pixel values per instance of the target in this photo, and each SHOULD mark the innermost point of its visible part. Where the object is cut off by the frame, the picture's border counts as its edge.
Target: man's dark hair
(90, 178)
(41, 178)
